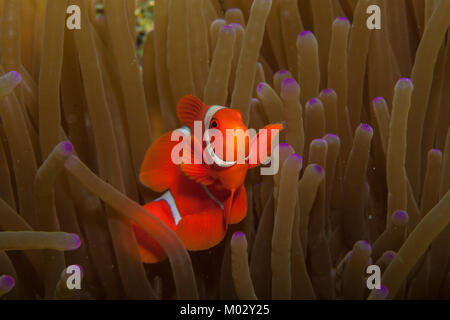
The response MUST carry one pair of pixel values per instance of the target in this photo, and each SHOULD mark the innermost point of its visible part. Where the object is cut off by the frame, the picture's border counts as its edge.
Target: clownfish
(200, 200)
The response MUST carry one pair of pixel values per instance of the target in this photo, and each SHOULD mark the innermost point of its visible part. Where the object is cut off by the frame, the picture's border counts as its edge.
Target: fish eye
(214, 123)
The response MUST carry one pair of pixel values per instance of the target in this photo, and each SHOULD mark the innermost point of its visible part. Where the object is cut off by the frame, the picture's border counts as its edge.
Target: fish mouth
(218, 160)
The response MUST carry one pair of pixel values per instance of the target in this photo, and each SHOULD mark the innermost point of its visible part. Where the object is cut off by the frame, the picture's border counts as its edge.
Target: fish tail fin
(150, 250)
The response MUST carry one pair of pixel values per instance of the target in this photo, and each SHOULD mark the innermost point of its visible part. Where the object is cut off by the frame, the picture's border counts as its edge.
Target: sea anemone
(364, 158)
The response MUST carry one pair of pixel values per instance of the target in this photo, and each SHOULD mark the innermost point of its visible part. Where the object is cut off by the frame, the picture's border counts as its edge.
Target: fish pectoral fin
(198, 173)
(263, 141)
(192, 165)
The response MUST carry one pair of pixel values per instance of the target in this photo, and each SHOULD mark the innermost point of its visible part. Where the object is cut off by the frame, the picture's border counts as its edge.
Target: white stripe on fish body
(206, 122)
(212, 197)
(210, 114)
(168, 198)
(184, 130)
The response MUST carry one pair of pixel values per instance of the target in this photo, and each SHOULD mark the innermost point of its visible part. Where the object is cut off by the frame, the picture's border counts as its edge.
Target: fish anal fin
(201, 231)
(239, 206)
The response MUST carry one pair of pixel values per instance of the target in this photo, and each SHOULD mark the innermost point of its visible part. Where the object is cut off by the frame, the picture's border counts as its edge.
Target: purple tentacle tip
(389, 255)
(313, 101)
(319, 140)
(366, 127)
(288, 82)
(260, 87)
(76, 241)
(235, 25)
(68, 147)
(400, 214)
(383, 291)
(228, 28)
(238, 234)
(327, 91)
(378, 100)
(16, 75)
(297, 156)
(344, 19)
(284, 148)
(7, 282)
(318, 168)
(365, 244)
(405, 82)
(400, 217)
(362, 246)
(305, 33)
(332, 136)
(282, 71)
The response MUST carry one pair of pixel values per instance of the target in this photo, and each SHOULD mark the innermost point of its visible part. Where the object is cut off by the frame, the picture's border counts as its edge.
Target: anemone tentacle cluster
(364, 173)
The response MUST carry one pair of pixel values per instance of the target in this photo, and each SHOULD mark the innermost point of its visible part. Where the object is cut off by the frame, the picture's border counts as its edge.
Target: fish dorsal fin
(158, 171)
(190, 109)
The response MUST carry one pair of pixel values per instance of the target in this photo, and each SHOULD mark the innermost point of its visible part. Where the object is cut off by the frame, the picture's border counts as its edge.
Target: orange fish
(201, 197)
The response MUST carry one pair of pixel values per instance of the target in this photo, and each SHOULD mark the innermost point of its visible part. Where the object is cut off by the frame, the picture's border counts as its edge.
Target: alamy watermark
(74, 279)
(374, 280)
(73, 22)
(374, 21)
(237, 147)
